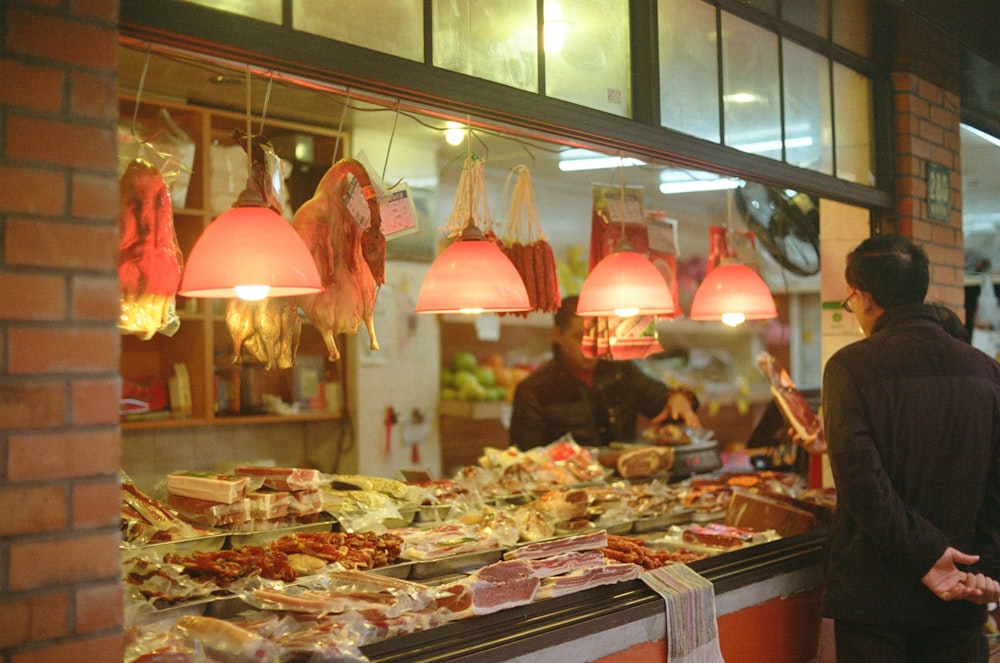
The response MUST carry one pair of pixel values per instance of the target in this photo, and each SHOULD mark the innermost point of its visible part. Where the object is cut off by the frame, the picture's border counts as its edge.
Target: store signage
(938, 192)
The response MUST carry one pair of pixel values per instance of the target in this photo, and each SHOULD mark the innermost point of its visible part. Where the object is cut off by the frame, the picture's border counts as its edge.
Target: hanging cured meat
(808, 427)
(349, 273)
(268, 330)
(526, 246)
(149, 259)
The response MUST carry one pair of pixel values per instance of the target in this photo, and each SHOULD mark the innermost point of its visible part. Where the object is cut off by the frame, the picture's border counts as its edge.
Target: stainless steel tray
(266, 536)
(662, 520)
(454, 564)
(400, 571)
(211, 543)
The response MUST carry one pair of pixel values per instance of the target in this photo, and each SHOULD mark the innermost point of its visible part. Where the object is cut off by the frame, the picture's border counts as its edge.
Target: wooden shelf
(203, 343)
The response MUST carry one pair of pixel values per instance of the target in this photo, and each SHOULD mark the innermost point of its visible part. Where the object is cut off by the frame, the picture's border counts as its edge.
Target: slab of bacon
(498, 586)
(540, 549)
(149, 258)
(586, 578)
(808, 427)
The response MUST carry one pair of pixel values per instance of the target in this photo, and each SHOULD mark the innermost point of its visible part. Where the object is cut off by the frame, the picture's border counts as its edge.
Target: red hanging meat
(149, 259)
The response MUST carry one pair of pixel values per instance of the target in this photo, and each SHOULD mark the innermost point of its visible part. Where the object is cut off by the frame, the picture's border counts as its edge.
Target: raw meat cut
(540, 549)
(565, 563)
(581, 579)
(495, 587)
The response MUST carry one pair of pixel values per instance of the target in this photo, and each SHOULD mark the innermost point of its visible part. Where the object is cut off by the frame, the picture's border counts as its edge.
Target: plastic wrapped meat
(149, 259)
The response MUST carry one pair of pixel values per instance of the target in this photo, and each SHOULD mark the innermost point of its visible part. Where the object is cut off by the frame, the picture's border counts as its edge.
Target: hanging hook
(392, 134)
(267, 98)
(142, 85)
(249, 129)
(340, 127)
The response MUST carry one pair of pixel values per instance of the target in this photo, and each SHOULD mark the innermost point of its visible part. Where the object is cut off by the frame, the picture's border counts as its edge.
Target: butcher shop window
(262, 10)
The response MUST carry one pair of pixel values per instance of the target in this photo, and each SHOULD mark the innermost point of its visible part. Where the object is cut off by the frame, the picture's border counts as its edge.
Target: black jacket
(912, 419)
(552, 402)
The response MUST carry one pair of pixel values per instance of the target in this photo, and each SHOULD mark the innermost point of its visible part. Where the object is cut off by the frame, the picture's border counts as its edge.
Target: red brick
(96, 504)
(99, 607)
(94, 298)
(931, 132)
(64, 561)
(65, 40)
(930, 92)
(36, 350)
(32, 510)
(61, 245)
(70, 454)
(93, 196)
(37, 296)
(102, 648)
(40, 140)
(20, 187)
(33, 618)
(39, 87)
(32, 405)
(95, 401)
(89, 94)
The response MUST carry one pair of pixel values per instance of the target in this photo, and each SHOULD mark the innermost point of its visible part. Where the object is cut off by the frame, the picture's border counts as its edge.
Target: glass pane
(811, 15)
(851, 28)
(808, 112)
(397, 28)
(496, 40)
(689, 70)
(592, 66)
(262, 10)
(750, 91)
(852, 106)
(767, 6)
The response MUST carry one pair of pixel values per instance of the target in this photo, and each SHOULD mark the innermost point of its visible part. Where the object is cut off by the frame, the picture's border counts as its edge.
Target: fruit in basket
(463, 361)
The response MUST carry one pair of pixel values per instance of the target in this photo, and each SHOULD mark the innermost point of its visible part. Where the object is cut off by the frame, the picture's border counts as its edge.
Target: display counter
(767, 605)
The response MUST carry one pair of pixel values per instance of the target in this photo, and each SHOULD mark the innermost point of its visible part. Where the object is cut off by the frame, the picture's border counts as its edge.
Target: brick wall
(60, 592)
(926, 108)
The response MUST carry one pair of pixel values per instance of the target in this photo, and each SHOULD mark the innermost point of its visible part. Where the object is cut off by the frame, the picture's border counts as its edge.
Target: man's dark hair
(894, 270)
(566, 312)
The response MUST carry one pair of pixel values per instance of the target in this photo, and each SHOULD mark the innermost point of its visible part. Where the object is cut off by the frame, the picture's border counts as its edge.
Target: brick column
(60, 590)
(926, 106)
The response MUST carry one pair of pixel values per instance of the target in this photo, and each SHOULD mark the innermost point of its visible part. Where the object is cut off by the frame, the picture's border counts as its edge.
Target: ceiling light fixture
(249, 252)
(731, 292)
(694, 186)
(472, 275)
(624, 283)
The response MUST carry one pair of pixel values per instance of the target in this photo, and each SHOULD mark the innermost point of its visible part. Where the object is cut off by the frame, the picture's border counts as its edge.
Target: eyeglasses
(846, 304)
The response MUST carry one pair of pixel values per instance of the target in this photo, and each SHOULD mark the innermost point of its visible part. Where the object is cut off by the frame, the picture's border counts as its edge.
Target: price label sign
(938, 192)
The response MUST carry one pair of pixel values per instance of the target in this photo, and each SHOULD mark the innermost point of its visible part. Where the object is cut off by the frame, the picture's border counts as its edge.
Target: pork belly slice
(495, 587)
(565, 563)
(589, 541)
(579, 580)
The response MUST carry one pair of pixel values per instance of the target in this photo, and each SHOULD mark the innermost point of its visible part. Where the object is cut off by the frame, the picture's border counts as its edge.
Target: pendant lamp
(732, 292)
(624, 283)
(250, 251)
(472, 275)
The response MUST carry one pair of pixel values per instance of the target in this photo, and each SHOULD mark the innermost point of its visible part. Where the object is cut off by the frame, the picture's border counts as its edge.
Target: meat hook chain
(340, 127)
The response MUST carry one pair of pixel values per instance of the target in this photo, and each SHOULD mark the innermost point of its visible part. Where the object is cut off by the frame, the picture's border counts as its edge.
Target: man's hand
(949, 583)
(678, 407)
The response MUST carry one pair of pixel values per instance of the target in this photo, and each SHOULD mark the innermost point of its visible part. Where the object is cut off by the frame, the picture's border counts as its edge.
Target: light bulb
(733, 319)
(454, 133)
(626, 312)
(470, 311)
(252, 293)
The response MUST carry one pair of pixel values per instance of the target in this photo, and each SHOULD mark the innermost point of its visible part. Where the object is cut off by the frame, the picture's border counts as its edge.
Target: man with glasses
(912, 422)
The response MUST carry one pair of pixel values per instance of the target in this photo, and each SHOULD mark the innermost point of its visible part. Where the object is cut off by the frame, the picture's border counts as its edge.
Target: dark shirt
(553, 401)
(912, 421)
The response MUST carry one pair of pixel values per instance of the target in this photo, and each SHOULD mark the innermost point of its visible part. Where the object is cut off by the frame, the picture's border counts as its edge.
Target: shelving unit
(202, 343)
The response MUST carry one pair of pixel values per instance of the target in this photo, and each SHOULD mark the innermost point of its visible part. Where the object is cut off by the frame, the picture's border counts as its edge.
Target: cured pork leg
(334, 238)
(808, 427)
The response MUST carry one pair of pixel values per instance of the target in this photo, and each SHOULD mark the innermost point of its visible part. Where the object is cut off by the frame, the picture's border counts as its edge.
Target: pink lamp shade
(625, 283)
(472, 276)
(249, 252)
(732, 293)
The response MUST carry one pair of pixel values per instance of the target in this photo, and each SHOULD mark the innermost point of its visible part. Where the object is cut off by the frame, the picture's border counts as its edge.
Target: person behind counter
(598, 401)
(910, 414)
